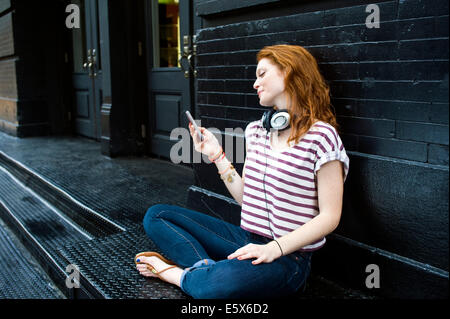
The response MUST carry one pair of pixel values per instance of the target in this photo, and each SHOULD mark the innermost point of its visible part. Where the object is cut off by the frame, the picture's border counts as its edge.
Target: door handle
(91, 63)
(90, 67)
(185, 70)
(189, 51)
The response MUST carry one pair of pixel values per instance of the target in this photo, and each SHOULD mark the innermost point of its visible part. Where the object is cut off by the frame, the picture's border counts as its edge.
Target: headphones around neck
(276, 119)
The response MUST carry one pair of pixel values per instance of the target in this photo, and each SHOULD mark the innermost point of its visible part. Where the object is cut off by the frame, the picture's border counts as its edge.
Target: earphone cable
(214, 213)
(264, 183)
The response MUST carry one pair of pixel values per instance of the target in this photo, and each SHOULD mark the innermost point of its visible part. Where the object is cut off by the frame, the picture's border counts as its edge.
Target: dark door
(87, 73)
(170, 73)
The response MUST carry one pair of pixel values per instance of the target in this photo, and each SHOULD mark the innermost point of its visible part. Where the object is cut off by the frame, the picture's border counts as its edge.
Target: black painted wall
(389, 89)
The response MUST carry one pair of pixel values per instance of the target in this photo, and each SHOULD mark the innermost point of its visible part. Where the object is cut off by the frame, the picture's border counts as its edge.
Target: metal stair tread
(20, 277)
(107, 264)
(43, 222)
(105, 186)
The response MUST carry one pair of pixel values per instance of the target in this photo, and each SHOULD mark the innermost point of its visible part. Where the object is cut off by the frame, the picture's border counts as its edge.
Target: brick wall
(31, 64)
(389, 88)
(8, 84)
(389, 85)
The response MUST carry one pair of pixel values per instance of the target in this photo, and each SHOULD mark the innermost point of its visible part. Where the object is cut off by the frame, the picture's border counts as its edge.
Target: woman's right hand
(209, 146)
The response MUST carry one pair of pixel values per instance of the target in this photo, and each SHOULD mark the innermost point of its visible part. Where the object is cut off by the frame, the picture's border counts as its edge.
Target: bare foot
(172, 275)
(148, 262)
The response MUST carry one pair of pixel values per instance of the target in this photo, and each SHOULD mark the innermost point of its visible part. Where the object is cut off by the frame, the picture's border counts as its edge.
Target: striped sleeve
(329, 148)
(250, 129)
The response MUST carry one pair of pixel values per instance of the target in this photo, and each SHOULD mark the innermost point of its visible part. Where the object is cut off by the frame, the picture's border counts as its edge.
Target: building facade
(126, 76)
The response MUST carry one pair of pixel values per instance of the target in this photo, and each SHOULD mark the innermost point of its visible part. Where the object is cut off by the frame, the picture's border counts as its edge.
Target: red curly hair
(308, 93)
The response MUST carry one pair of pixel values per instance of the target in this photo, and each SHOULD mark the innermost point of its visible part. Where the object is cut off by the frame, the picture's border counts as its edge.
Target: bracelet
(219, 158)
(216, 156)
(225, 170)
(229, 177)
(279, 246)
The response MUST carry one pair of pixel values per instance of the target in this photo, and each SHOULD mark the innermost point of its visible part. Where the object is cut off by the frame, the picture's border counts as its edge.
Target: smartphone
(191, 119)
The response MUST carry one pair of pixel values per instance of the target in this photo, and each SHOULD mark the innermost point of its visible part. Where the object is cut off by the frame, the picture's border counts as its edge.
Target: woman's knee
(152, 214)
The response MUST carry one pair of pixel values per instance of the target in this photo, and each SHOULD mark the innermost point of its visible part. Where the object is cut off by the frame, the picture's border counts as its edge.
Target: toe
(144, 259)
(146, 273)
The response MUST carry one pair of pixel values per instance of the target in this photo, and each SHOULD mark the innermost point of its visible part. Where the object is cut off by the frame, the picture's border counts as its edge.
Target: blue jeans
(202, 243)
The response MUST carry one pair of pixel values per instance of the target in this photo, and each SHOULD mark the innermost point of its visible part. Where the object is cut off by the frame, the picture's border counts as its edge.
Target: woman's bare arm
(330, 187)
(330, 184)
(236, 185)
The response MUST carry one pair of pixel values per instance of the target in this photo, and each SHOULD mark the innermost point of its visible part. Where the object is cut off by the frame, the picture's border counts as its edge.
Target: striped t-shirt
(288, 195)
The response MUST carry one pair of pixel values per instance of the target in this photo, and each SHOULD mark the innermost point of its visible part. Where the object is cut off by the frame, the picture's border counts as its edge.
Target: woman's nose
(256, 85)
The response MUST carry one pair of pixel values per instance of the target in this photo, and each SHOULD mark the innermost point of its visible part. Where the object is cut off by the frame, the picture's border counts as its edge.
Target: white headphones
(278, 120)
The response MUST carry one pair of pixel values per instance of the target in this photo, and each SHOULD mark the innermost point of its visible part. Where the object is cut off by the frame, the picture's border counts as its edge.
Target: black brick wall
(390, 84)
(389, 88)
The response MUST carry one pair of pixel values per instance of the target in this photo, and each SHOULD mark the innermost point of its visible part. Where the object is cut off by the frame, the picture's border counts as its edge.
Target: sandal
(150, 267)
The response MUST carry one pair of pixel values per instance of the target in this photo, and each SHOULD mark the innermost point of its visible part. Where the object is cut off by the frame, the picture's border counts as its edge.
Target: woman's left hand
(263, 253)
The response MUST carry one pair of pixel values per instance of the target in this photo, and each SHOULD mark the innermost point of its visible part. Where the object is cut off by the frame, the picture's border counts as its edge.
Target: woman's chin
(264, 103)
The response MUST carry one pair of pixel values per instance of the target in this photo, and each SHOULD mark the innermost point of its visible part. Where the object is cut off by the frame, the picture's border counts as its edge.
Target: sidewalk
(114, 195)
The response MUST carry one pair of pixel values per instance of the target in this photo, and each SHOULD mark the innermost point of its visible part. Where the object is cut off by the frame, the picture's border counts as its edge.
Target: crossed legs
(199, 245)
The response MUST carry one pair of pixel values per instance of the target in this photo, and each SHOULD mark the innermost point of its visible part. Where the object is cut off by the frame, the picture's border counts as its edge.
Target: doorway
(170, 70)
(87, 71)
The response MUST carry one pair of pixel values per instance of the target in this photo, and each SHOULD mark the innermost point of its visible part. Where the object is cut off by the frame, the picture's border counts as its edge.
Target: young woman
(290, 191)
